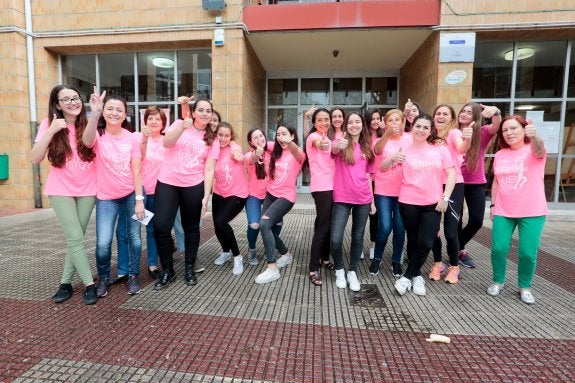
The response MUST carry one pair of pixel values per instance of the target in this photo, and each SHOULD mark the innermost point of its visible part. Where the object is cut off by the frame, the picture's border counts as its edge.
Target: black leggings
(167, 200)
(475, 200)
(320, 244)
(451, 219)
(224, 209)
(421, 225)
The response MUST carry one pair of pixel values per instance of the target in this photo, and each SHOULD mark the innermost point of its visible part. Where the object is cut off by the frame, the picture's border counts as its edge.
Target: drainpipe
(32, 95)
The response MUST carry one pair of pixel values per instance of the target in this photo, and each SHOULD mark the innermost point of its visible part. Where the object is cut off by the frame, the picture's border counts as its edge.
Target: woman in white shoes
(352, 192)
(285, 163)
(422, 198)
(230, 193)
(517, 200)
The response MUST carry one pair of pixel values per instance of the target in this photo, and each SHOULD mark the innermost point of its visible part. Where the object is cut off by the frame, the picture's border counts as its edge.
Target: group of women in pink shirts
(404, 170)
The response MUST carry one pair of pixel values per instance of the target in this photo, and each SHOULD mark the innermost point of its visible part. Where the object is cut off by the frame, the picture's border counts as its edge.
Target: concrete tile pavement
(228, 328)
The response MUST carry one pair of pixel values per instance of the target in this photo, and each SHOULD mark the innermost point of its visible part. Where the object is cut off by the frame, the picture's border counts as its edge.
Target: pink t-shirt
(257, 187)
(351, 183)
(184, 162)
(152, 163)
(478, 177)
(114, 155)
(520, 190)
(388, 182)
(321, 164)
(230, 176)
(76, 178)
(284, 183)
(456, 157)
(423, 171)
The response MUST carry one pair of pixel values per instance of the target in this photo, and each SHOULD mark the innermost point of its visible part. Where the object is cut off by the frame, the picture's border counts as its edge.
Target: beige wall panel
(12, 13)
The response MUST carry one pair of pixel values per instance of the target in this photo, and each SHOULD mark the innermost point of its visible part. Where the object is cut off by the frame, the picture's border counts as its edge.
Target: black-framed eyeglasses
(68, 100)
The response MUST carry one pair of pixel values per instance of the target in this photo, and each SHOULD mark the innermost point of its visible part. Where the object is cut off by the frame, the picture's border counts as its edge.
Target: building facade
(265, 62)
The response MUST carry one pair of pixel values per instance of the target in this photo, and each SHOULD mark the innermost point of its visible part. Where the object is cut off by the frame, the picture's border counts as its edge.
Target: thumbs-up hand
(188, 122)
(237, 155)
(398, 157)
(146, 131)
(310, 112)
(530, 129)
(324, 143)
(342, 142)
(408, 105)
(467, 132)
(259, 151)
(57, 124)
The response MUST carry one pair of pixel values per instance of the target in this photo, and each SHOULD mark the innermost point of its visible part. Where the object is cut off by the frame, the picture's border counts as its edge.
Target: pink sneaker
(452, 275)
(436, 271)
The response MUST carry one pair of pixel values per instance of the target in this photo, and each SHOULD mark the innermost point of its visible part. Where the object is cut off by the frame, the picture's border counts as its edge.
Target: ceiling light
(522, 53)
(525, 107)
(163, 62)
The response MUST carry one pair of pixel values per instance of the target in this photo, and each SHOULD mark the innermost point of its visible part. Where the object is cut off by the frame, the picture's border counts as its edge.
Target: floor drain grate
(368, 296)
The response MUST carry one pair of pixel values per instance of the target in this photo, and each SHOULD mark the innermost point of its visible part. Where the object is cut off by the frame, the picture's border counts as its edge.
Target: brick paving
(228, 329)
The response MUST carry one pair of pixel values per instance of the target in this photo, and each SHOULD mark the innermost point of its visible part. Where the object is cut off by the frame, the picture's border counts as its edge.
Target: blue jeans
(389, 219)
(179, 231)
(253, 214)
(274, 209)
(107, 212)
(152, 250)
(339, 215)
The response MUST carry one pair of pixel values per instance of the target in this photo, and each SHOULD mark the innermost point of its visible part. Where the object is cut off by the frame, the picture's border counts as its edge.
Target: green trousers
(74, 214)
(529, 229)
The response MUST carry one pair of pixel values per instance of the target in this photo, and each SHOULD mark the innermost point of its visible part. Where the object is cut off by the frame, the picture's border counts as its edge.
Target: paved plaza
(228, 329)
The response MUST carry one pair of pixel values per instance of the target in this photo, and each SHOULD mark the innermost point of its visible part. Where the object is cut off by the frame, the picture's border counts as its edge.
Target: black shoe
(155, 274)
(165, 279)
(64, 293)
(396, 269)
(190, 276)
(119, 279)
(90, 295)
(374, 267)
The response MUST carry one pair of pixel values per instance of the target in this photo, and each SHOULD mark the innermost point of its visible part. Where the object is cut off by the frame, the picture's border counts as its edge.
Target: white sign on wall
(456, 47)
(547, 130)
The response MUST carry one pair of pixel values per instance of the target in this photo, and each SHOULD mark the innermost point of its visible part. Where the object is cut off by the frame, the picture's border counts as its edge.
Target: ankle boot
(168, 274)
(189, 272)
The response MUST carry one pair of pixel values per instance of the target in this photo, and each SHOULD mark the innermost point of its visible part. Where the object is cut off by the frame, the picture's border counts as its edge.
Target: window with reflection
(282, 92)
(195, 73)
(540, 69)
(491, 70)
(315, 91)
(117, 74)
(80, 72)
(156, 76)
(381, 90)
(285, 116)
(571, 81)
(347, 91)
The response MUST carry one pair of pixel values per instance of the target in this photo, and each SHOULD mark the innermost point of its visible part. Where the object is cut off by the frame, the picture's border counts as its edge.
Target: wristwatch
(139, 197)
(446, 199)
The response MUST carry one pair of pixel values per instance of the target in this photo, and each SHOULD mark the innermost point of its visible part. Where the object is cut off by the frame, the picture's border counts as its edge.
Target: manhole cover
(368, 296)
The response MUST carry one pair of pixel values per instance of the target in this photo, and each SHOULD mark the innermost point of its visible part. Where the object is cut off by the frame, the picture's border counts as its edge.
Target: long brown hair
(59, 150)
(209, 135)
(364, 142)
(277, 150)
(472, 155)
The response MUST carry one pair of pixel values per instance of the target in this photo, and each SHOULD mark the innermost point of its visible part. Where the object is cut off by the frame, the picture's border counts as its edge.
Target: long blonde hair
(364, 142)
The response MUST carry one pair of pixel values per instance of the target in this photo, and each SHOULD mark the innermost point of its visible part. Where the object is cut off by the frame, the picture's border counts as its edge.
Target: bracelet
(139, 197)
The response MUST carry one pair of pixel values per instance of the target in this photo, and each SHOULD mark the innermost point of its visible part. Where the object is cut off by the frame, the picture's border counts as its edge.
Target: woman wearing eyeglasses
(71, 183)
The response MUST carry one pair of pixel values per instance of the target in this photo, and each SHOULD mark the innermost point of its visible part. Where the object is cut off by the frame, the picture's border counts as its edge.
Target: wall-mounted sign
(456, 47)
(455, 77)
(210, 5)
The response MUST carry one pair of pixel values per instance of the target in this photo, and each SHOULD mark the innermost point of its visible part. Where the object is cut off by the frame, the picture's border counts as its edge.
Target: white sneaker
(340, 281)
(402, 285)
(354, 284)
(371, 251)
(238, 268)
(526, 296)
(222, 258)
(284, 260)
(419, 286)
(268, 276)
